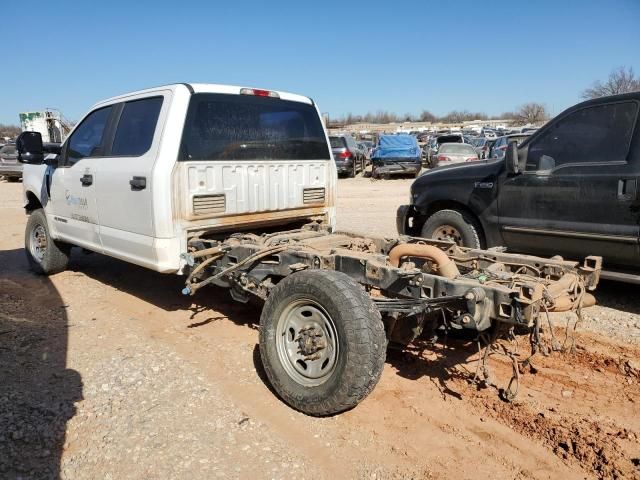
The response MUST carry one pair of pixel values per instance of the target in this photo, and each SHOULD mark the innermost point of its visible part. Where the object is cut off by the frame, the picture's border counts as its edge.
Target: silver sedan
(456, 153)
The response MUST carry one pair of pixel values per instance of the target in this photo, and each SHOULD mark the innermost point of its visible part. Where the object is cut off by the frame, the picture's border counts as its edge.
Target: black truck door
(578, 194)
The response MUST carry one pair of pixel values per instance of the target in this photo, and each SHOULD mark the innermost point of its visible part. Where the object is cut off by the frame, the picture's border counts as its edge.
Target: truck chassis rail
(407, 286)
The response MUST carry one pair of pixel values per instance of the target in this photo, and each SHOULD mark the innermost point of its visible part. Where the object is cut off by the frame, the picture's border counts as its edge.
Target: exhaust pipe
(446, 266)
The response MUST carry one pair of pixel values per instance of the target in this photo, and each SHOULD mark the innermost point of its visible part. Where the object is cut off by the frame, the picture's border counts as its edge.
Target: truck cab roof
(194, 88)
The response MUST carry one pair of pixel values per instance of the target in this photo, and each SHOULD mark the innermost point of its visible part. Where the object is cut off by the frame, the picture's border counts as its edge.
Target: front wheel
(453, 226)
(322, 342)
(45, 255)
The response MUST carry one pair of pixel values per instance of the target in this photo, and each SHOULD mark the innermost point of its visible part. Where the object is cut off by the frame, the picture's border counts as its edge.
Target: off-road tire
(360, 336)
(463, 222)
(56, 254)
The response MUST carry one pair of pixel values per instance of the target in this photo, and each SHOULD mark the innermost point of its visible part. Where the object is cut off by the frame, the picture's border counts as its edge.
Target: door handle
(138, 183)
(86, 180)
(627, 189)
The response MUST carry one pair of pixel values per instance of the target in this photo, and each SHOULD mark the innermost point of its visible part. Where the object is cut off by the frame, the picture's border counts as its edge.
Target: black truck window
(136, 127)
(601, 133)
(86, 140)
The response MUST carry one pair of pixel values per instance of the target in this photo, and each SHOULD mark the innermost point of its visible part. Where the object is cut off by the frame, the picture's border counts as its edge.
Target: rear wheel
(453, 226)
(322, 342)
(354, 169)
(45, 255)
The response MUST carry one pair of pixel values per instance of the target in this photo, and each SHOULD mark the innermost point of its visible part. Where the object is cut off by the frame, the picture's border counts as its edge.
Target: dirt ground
(106, 371)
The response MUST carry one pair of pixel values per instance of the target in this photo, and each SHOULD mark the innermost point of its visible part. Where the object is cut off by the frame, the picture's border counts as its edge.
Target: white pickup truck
(142, 172)
(236, 187)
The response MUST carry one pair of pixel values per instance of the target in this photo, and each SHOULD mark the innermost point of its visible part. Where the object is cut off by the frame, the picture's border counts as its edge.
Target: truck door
(578, 194)
(73, 210)
(125, 186)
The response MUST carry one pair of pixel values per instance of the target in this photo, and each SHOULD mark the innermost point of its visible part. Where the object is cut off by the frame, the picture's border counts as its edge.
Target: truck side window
(594, 134)
(136, 127)
(86, 140)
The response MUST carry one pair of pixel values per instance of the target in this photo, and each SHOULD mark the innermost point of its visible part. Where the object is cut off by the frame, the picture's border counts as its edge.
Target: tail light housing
(471, 159)
(443, 158)
(346, 154)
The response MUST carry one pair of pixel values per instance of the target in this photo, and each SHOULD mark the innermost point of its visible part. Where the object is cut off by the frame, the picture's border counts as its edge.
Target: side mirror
(547, 163)
(30, 149)
(511, 159)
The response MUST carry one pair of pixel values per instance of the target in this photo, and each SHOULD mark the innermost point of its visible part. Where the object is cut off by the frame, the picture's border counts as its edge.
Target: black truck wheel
(453, 225)
(45, 255)
(322, 342)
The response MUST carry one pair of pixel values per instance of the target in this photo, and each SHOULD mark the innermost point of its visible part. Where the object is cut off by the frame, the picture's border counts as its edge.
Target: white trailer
(48, 123)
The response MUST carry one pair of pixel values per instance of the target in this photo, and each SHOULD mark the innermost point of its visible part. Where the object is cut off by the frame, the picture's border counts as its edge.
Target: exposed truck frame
(404, 286)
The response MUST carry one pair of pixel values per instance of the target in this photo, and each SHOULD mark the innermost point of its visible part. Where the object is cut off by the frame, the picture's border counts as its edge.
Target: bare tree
(528, 113)
(531, 113)
(621, 80)
(506, 116)
(427, 116)
(9, 130)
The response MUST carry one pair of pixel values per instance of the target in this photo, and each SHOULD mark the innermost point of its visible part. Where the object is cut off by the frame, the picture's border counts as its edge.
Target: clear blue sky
(401, 56)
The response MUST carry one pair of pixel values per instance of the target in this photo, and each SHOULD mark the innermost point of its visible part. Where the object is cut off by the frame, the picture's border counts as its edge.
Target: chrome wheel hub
(38, 243)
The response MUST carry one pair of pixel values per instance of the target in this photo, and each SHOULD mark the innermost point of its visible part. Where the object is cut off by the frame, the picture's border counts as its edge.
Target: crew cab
(570, 189)
(141, 173)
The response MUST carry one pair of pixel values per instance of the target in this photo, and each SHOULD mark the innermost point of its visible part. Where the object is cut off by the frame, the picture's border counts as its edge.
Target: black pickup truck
(571, 189)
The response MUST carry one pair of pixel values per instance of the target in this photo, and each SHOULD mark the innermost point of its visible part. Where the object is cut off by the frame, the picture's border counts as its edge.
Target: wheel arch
(31, 202)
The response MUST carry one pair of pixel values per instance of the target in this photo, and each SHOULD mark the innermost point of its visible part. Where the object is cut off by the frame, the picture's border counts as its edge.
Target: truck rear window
(243, 127)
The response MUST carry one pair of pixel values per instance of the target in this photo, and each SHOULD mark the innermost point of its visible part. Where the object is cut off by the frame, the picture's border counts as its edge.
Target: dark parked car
(350, 159)
(570, 189)
(370, 145)
(499, 148)
(481, 145)
(366, 147)
(9, 166)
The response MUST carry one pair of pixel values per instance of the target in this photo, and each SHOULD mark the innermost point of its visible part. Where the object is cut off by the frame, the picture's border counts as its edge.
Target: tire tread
(364, 331)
